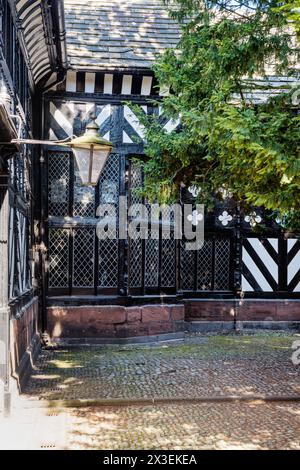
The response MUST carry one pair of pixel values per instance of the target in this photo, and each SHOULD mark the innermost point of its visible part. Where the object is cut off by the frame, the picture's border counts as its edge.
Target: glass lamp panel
(82, 157)
(99, 160)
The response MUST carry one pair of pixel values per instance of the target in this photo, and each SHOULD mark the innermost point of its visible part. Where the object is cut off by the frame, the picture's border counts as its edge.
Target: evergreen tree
(227, 141)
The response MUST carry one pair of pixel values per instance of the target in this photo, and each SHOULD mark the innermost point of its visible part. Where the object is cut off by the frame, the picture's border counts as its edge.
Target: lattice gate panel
(151, 263)
(211, 266)
(58, 258)
(168, 249)
(187, 268)
(108, 263)
(204, 266)
(135, 246)
(84, 199)
(109, 181)
(168, 264)
(83, 257)
(109, 248)
(58, 183)
(222, 264)
(135, 263)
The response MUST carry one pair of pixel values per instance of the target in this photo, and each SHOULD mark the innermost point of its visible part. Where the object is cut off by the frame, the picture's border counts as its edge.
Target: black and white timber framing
(68, 62)
(60, 63)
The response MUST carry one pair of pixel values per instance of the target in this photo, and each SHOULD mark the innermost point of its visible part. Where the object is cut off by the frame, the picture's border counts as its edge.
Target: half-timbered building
(62, 64)
(31, 50)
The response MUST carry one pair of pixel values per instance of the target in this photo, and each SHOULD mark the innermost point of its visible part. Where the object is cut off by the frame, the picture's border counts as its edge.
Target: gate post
(238, 252)
(282, 265)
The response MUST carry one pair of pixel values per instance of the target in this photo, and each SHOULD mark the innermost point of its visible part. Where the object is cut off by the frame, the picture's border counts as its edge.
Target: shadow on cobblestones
(187, 426)
(201, 366)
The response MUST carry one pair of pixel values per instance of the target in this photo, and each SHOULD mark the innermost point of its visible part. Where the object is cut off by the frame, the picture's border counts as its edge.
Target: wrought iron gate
(80, 263)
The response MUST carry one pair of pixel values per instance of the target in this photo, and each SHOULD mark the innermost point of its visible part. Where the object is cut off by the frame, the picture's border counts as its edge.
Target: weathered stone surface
(131, 330)
(26, 341)
(215, 310)
(264, 310)
(119, 321)
(288, 310)
(257, 311)
(252, 310)
(101, 330)
(111, 314)
(152, 313)
(179, 326)
(112, 321)
(134, 314)
(87, 314)
(160, 327)
(177, 312)
(216, 426)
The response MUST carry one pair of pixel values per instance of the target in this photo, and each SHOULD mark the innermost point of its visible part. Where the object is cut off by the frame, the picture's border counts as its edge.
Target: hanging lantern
(90, 150)
(91, 153)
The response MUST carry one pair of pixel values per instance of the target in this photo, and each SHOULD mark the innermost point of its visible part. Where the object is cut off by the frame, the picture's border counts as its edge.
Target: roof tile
(117, 33)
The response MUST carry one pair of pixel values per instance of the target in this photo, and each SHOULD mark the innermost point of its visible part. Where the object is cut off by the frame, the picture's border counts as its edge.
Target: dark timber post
(4, 308)
(238, 245)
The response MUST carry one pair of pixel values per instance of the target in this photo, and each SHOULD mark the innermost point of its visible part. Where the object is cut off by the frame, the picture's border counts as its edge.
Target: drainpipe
(60, 22)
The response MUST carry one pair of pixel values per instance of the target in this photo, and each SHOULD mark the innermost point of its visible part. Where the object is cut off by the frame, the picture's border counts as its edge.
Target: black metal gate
(81, 264)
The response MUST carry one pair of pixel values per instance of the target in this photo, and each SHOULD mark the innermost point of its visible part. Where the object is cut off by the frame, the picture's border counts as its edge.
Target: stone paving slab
(220, 365)
(193, 426)
(222, 426)
(33, 429)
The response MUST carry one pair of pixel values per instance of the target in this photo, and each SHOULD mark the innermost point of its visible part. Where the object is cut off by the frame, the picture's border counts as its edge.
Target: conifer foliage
(227, 139)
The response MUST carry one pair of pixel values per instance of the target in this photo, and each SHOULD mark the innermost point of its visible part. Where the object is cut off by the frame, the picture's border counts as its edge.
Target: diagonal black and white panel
(118, 123)
(260, 265)
(61, 120)
(293, 274)
(67, 119)
(169, 125)
(133, 129)
(104, 120)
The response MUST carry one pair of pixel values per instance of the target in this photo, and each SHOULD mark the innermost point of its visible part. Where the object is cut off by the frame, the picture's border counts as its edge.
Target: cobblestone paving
(187, 426)
(201, 366)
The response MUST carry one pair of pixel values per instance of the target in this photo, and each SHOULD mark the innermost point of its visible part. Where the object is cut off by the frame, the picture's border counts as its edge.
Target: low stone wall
(114, 321)
(209, 310)
(25, 342)
(248, 310)
(269, 310)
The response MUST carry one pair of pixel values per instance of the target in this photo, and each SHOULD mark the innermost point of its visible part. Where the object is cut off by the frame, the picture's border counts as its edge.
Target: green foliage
(225, 140)
(292, 11)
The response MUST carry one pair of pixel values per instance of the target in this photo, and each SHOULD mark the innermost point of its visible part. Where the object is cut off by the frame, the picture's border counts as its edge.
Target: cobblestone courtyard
(201, 366)
(197, 426)
(186, 426)
(244, 365)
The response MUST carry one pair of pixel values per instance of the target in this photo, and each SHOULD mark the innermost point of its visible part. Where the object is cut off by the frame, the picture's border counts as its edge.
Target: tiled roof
(109, 34)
